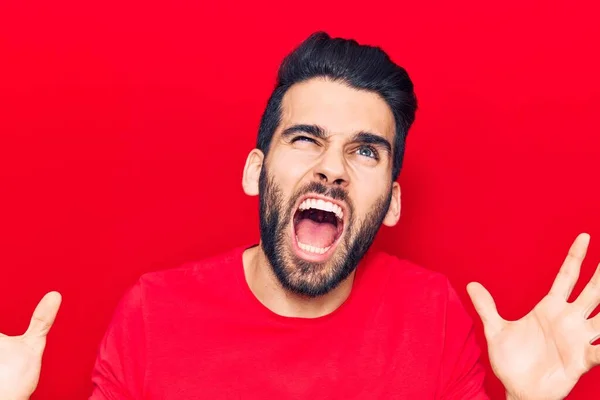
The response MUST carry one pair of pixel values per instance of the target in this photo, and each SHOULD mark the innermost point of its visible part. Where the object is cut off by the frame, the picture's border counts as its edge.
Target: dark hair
(359, 66)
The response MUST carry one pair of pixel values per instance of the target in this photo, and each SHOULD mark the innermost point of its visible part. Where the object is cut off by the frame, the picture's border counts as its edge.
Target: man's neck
(269, 291)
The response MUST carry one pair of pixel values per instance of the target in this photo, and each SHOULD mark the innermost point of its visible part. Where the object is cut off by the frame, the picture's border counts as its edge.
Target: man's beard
(299, 276)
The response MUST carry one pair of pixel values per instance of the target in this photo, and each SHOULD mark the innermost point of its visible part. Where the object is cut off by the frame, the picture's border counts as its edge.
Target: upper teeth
(324, 205)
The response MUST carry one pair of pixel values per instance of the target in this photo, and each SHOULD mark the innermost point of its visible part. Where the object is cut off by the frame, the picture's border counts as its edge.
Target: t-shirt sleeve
(462, 374)
(119, 369)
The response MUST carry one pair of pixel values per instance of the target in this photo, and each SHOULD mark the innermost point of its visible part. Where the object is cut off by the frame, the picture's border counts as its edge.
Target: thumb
(44, 315)
(486, 308)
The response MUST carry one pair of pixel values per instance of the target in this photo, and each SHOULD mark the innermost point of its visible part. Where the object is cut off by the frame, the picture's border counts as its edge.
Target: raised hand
(21, 356)
(543, 355)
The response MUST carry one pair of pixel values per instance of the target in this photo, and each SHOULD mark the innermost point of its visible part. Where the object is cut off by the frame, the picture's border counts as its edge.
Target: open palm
(543, 355)
(21, 356)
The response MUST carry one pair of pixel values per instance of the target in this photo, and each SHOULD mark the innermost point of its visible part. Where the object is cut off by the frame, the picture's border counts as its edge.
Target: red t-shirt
(198, 332)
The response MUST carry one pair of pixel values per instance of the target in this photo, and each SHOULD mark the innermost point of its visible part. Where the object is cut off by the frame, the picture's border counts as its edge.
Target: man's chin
(307, 277)
(307, 287)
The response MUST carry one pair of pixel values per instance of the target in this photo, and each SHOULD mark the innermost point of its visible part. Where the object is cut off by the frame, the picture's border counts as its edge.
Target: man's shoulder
(420, 295)
(403, 272)
(207, 270)
(403, 282)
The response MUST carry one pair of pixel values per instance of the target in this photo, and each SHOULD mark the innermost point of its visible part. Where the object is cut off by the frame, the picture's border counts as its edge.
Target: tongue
(317, 234)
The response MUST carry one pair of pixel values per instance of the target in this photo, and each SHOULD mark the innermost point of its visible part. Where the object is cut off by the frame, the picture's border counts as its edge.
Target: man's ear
(254, 164)
(393, 214)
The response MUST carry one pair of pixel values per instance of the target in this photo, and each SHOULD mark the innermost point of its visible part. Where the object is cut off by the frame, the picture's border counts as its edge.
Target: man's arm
(461, 373)
(121, 361)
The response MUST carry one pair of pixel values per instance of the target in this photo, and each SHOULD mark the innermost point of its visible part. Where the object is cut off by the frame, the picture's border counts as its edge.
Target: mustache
(335, 193)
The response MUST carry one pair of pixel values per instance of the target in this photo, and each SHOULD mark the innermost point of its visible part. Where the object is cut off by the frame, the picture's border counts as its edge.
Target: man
(309, 312)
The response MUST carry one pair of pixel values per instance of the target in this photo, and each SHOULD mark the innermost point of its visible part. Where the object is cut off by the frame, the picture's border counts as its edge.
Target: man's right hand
(21, 356)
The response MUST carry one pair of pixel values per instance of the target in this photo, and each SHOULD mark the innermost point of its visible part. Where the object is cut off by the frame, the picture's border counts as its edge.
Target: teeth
(313, 249)
(320, 204)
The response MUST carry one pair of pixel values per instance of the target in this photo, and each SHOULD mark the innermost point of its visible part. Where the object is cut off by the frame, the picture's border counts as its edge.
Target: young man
(309, 313)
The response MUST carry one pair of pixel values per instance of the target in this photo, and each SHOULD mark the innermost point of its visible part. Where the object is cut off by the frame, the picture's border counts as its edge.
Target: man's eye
(367, 151)
(303, 139)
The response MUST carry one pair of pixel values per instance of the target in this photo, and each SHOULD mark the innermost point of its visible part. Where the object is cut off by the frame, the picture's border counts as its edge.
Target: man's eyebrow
(313, 130)
(376, 140)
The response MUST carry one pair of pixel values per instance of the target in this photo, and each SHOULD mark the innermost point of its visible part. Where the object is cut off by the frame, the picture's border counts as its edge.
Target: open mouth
(318, 225)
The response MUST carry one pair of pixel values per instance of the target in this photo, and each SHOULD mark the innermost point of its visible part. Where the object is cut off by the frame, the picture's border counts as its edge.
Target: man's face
(325, 187)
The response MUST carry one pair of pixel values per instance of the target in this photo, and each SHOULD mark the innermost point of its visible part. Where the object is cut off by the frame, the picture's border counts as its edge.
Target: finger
(486, 309)
(569, 272)
(589, 298)
(44, 315)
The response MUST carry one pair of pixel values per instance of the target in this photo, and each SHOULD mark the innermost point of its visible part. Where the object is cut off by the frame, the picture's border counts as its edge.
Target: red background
(124, 128)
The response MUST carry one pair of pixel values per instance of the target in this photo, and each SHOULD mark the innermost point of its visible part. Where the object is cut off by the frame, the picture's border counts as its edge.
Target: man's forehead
(337, 108)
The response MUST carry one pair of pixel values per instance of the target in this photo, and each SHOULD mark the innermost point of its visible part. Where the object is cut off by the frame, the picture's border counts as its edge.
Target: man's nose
(332, 169)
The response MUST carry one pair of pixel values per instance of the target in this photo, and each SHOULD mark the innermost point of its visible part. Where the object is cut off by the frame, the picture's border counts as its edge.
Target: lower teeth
(313, 249)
